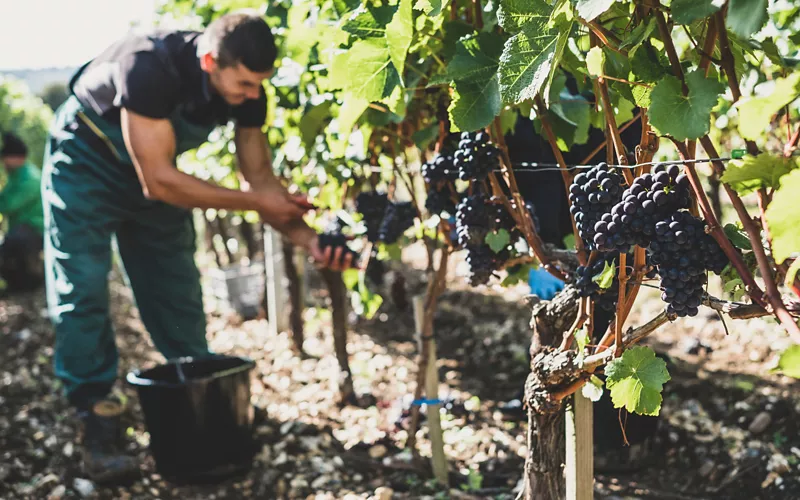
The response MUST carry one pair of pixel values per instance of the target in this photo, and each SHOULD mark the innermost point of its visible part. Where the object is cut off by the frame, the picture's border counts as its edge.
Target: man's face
(236, 83)
(12, 161)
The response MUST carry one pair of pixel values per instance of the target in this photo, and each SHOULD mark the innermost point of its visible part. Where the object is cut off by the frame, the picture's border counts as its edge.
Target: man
(21, 204)
(110, 169)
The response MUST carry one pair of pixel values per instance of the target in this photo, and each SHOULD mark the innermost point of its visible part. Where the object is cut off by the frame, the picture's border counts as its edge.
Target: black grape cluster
(476, 216)
(440, 169)
(439, 199)
(474, 219)
(476, 156)
(372, 205)
(683, 252)
(648, 200)
(483, 262)
(592, 196)
(398, 217)
(337, 240)
(605, 299)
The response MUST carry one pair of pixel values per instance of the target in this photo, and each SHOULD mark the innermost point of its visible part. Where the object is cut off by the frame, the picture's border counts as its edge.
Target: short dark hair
(241, 37)
(13, 146)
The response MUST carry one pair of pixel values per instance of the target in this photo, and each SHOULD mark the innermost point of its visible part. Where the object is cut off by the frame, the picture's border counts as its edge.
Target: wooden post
(580, 449)
(438, 459)
(276, 288)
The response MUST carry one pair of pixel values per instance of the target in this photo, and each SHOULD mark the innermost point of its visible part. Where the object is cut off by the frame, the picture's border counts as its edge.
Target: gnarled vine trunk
(544, 473)
(338, 292)
(295, 297)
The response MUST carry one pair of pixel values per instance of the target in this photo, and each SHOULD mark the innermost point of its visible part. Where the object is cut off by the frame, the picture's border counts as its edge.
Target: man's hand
(304, 237)
(280, 209)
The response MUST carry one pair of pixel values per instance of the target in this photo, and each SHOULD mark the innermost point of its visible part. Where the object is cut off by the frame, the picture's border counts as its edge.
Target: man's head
(238, 52)
(13, 152)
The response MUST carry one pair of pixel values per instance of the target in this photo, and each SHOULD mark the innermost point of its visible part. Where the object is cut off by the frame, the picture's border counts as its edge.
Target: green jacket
(21, 198)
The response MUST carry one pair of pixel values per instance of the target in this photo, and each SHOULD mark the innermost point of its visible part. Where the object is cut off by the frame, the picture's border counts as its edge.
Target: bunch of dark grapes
(483, 262)
(439, 199)
(683, 252)
(649, 199)
(396, 219)
(337, 240)
(604, 298)
(440, 169)
(592, 195)
(475, 217)
(372, 206)
(476, 156)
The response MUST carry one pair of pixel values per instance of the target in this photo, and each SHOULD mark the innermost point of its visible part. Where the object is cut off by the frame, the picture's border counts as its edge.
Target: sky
(56, 33)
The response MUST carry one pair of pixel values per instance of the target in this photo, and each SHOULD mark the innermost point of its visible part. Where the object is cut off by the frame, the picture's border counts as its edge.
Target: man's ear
(207, 62)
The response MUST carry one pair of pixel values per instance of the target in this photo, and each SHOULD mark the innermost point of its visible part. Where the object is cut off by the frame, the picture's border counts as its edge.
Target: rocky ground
(728, 429)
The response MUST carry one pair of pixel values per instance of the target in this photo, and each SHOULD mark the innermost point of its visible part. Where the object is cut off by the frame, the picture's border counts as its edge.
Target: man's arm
(254, 159)
(151, 144)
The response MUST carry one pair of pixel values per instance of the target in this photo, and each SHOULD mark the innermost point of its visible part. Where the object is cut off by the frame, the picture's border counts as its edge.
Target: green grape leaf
(475, 105)
(399, 33)
(497, 241)
(755, 113)
(368, 22)
(789, 362)
(595, 60)
(755, 172)
(476, 59)
(593, 389)
(313, 122)
(638, 35)
(453, 32)
(517, 274)
(429, 7)
(369, 74)
(606, 276)
(684, 117)
(689, 11)
(582, 338)
(590, 9)
(647, 65)
(526, 63)
(561, 16)
(641, 95)
(350, 278)
(783, 218)
(636, 380)
(515, 15)
(737, 236)
(425, 136)
(746, 17)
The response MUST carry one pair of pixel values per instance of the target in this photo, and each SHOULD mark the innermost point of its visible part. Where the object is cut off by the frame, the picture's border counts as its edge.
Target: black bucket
(199, 416)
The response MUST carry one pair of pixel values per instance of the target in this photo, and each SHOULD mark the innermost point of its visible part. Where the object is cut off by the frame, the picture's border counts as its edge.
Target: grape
(638, 217)
(592, 194)
(605, 299)
(476, 156)
(475, 217)
(441, 168)
(372, 205)
(337, 240)
(483, 262)
(683, 252)
(439, 199)
(375, 269)
(396, 219)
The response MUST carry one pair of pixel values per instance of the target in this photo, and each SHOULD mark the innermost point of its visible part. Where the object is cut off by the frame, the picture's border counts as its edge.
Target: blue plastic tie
(420, 402)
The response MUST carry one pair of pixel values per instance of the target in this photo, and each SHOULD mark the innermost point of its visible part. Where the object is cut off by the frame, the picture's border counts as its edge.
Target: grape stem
(792, 144)
(604, 36)
(580, 320)
(621, 316)
(541, 112)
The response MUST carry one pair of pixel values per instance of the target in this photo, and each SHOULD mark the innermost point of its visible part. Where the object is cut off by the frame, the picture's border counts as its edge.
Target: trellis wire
(544, 167)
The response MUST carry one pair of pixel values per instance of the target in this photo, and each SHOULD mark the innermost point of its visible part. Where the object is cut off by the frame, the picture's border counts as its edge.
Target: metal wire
(545, 167)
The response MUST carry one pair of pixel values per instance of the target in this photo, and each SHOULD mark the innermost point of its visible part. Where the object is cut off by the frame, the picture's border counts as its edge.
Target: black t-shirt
(153, 74)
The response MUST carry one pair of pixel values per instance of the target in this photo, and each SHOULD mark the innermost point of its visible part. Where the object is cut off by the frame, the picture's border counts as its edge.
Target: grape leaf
(515, 15)
(755, 113)
(367, 78)
(313, 121)
(398, 36)
(474, 105)
(424, 136)
(746, 17)
(476, 58)
(595, 60)
(683, 117)
(638, 36)
(590, 9)
(789, 362)
(526, 63)
(784, 218)
(497, 241)
(646, 64)
(737, 236)
(593, 389)
(429, 7)
(606, 276)
(755, 172)
(636, 380)
(368, 22)
(689, 11)
(641, 95)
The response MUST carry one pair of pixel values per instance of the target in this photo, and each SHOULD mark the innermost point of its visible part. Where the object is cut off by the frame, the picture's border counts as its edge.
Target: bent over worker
(21, 204)
(110, 169)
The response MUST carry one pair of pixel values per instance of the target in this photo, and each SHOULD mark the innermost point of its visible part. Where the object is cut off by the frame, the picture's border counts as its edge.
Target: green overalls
(90, 192)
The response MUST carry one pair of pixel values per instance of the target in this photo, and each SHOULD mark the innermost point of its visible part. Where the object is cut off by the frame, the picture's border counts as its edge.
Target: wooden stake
(579, 465)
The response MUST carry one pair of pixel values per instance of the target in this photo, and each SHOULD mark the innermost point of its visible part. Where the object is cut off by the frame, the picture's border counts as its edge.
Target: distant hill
(38, 79)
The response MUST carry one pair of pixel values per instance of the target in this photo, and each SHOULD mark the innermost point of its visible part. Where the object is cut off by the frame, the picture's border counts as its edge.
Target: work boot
(104, 459)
